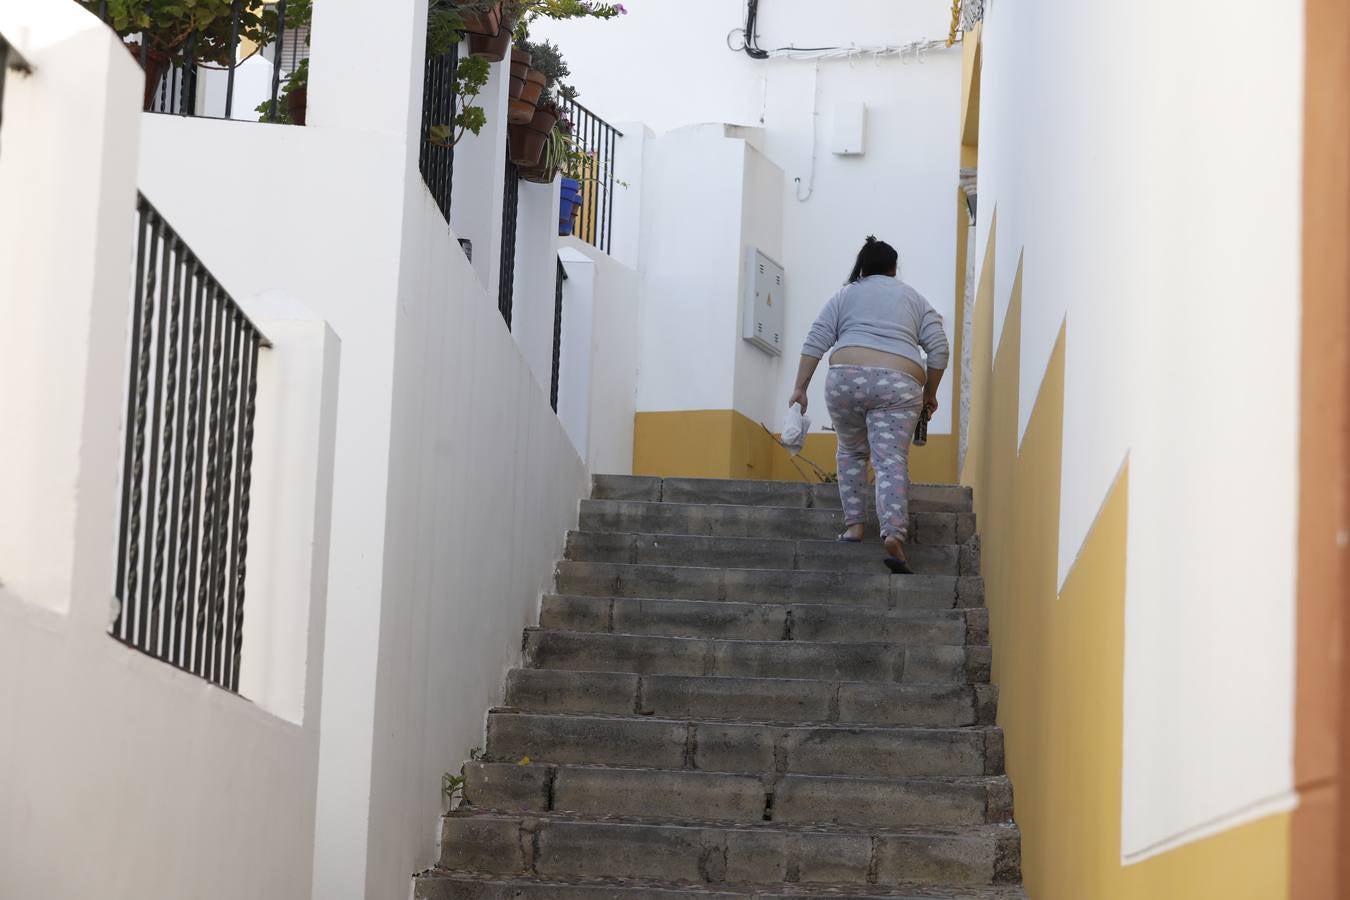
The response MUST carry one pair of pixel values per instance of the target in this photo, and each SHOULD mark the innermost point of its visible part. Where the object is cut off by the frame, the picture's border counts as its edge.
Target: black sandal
(898, 566)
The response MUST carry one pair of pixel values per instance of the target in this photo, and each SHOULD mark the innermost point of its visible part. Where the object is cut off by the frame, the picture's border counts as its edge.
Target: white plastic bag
(795, 428)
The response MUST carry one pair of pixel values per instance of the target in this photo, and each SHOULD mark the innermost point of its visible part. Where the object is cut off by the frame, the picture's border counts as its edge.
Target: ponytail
(875, 258)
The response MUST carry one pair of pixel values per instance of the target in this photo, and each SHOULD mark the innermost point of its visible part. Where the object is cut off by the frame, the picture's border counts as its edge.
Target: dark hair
(875, 258)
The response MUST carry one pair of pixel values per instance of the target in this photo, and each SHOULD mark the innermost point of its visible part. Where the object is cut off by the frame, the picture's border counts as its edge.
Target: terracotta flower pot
(520, 68)
(521, 112)
(539, 174)
(545, 117)
(296, 103)
(533, 88)
(494, 48)
(156, 64)
(525, 145)
(486, 24)
(527, 142)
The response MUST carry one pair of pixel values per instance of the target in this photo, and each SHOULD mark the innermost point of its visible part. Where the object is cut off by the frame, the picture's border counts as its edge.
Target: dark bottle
(921, 430)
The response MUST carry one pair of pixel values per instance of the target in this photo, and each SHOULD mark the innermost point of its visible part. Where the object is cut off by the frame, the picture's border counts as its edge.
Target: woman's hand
(930, 405)
(798, 396)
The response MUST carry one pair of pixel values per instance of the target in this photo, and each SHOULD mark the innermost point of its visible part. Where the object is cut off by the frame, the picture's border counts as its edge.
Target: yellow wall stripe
(723, 443)
(1059, 656)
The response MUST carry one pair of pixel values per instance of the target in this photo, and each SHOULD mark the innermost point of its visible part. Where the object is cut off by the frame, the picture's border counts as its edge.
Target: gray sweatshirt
(880, 313)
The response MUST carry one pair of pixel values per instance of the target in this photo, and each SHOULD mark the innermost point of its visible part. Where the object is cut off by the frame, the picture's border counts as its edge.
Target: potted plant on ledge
(171, 31)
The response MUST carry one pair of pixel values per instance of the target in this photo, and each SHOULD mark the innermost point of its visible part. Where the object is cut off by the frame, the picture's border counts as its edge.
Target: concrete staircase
(721, 701)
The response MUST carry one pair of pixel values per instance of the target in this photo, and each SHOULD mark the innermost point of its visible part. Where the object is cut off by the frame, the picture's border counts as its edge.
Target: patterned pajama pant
(874, 410)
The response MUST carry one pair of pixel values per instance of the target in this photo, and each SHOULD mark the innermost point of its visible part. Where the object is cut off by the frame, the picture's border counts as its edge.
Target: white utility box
(848, 136)
(765, 302)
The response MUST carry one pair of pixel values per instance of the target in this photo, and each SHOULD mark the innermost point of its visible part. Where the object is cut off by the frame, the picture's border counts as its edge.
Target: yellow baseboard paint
(723, 443)
(1059, 656)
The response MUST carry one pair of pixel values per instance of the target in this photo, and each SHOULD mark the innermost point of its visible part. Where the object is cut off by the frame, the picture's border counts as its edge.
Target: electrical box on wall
(765, 302)
(848, 137)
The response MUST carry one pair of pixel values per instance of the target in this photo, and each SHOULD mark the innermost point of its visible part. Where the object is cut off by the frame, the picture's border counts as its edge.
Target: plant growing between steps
(452, 786)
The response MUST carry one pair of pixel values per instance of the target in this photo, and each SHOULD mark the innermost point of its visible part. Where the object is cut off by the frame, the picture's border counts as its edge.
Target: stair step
(753, 747)
(561, 846)
(608, 579)
(792, 799)
(922, 497)
(763, 621)
(762, 553)
(444, 885)
(785, 700)
(580, 651)
(794, 523)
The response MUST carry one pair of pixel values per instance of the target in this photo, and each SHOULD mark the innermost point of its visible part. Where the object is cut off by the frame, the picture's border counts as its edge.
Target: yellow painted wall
(724, 443)
(1059, 656)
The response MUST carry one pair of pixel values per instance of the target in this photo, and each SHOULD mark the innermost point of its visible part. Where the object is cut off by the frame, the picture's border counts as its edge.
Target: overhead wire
(749, 43)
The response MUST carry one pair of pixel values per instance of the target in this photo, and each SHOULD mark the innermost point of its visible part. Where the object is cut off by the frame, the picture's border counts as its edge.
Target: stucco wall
(1142, 209)
(668, 65)
(119, 775)
(444, 431)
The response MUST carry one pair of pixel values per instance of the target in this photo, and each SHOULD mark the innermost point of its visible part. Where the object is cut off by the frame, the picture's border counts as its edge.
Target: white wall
(709, 194)
(119, 774)
(290, 511)
(349, 276)
(598, 375)
(759, 375)
(483, 487)
(480, 179)
(1164, 226)
(536, 278)
(667, 64)
(455, 483)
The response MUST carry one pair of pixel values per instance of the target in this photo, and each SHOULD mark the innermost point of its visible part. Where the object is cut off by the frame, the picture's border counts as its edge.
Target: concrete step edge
(960, 780)
(534, 691)
(753, 723)
(535, 629)
(821, 543)
(442, 884)
(993, 831)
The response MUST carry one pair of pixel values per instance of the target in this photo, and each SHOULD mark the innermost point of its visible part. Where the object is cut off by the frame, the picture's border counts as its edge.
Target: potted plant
(292, 102)
(445, 29)
(171, 31)
(555, 149)
(527, 142)
(493, 47)
(521, 109)
(475, 16)
(569, 202)
(528, 138)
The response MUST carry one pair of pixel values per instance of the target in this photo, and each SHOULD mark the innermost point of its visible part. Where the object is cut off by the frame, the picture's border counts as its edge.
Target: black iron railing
(437, 158)
(506, 286)
(187, 472)
(9, 59)
(175, 64)
(598, 140)
(557, 333)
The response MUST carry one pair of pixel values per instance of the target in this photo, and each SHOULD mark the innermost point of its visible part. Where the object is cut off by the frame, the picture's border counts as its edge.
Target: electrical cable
(815, 141)
(750, 45)
(752, 49)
